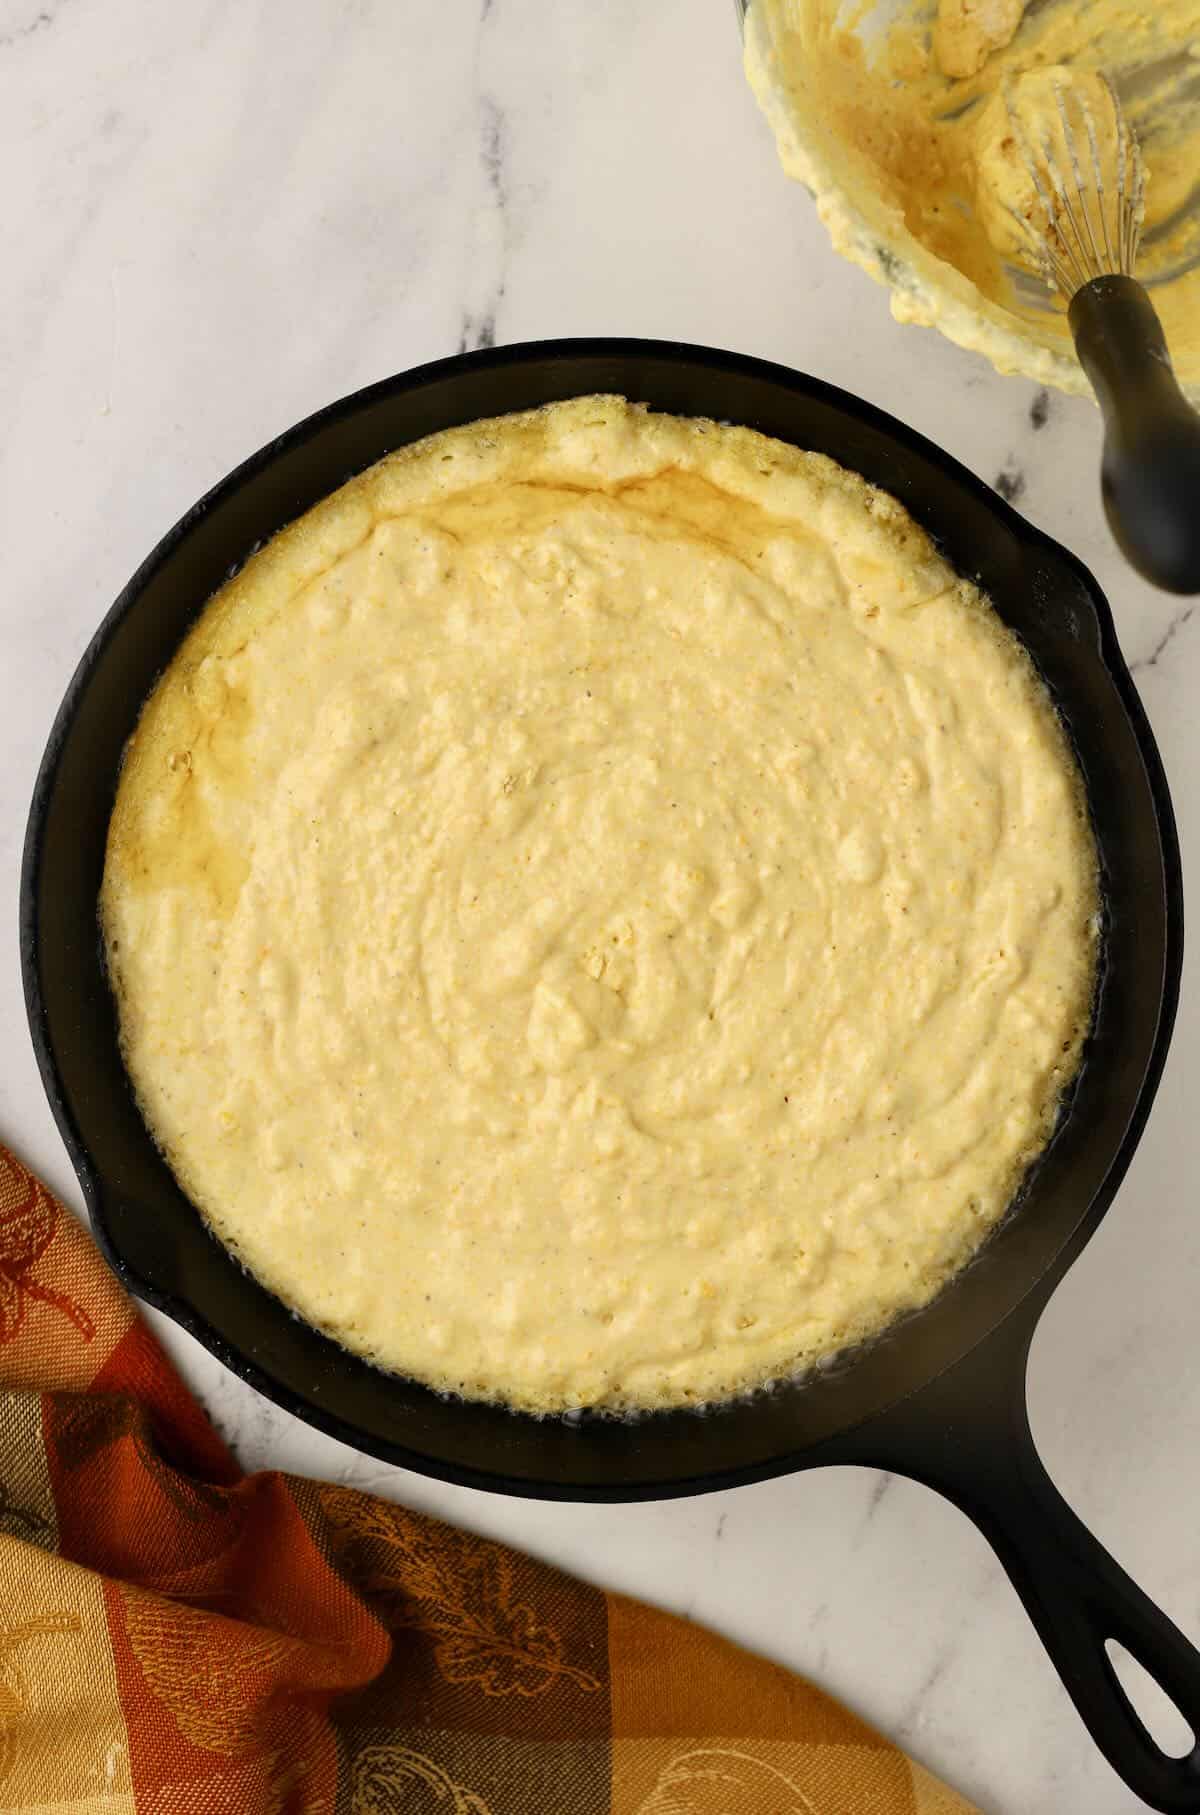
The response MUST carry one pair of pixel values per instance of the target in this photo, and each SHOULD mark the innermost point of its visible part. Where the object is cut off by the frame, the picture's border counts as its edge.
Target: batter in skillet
(600, 913)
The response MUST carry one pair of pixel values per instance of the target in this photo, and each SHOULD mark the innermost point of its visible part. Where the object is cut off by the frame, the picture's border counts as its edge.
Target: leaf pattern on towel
(724, 1780)
(384, 1780)
(213, 1674)
(28, 1221)
(458, 1590)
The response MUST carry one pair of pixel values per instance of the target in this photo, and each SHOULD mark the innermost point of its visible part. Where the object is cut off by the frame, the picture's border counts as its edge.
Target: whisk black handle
(1150, 473)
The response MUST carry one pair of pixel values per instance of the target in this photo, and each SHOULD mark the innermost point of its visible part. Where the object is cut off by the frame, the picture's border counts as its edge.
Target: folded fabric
(178, 1638)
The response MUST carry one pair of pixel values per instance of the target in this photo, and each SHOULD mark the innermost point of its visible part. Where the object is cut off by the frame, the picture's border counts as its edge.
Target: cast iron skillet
(941, 1398)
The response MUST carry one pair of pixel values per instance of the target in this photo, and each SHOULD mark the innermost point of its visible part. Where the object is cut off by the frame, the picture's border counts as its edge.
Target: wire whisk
(1092, 203)
(1080, 187)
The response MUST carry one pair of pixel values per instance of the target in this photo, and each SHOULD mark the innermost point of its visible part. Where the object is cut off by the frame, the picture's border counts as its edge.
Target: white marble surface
(221, 215)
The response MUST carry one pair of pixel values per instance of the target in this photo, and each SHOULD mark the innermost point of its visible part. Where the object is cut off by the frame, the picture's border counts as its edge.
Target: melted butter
(178, 841)
(626, 920)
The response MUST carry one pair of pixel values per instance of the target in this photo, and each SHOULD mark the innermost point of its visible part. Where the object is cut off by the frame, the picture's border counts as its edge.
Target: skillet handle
(967, 1435)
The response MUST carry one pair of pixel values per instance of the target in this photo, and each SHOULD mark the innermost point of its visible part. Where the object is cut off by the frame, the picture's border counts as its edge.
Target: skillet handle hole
(1170, 1730)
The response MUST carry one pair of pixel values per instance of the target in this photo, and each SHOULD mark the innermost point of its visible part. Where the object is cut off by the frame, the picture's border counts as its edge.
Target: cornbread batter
(600, 914)
(967, 32)
(1017, 128)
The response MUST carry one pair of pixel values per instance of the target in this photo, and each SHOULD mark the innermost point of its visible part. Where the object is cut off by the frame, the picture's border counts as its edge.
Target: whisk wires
(1091, 204)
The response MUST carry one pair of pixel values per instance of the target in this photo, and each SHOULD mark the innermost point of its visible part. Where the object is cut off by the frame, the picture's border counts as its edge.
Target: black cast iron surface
(941, 1397)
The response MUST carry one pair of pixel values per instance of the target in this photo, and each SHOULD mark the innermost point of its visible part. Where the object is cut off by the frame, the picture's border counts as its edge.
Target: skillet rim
(1065, 567)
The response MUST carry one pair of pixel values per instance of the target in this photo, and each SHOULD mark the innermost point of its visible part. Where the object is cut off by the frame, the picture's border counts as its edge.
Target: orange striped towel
(178, 1638)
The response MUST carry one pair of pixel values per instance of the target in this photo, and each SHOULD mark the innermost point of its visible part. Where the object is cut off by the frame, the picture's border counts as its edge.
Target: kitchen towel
(179, 1638)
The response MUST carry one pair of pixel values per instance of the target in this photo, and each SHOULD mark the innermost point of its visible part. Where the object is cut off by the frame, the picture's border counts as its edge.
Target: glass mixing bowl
(864, 118)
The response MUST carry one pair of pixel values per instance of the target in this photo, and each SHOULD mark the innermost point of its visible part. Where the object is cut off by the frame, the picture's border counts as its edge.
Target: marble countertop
(220, 216)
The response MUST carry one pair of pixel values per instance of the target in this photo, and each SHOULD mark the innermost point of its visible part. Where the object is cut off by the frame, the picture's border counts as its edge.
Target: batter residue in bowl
(885, 115)
(600, 913)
